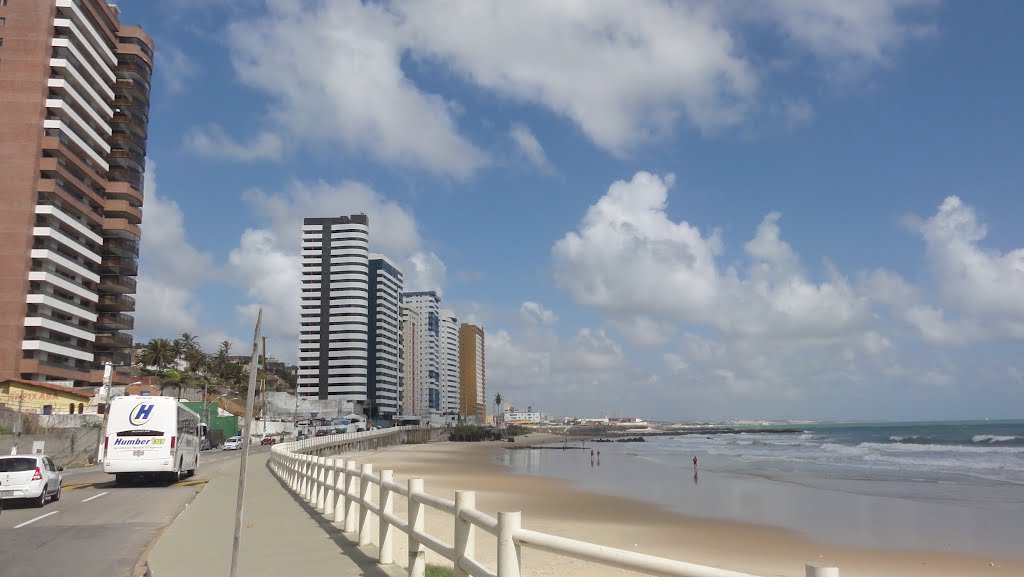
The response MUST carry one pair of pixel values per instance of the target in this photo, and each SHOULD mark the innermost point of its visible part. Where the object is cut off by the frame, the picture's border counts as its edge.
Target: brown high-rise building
(472, 374)
(74, 104)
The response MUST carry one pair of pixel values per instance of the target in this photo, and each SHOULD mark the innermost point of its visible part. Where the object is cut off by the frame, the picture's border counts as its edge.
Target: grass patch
(410, 442)
(438, 571)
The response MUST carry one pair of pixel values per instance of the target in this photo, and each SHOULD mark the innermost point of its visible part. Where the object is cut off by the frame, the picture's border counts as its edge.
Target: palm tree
(173, 378)
(220, 361)
(196, 360)
(497, 405)
(158, 353)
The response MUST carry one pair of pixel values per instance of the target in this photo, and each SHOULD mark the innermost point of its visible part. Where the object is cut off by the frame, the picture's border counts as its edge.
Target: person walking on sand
(695, 462)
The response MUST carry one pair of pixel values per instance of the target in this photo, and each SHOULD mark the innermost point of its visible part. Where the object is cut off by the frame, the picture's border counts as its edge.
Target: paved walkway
(281, 535)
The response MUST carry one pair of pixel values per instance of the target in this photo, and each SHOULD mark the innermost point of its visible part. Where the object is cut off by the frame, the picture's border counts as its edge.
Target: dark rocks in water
(631, 440)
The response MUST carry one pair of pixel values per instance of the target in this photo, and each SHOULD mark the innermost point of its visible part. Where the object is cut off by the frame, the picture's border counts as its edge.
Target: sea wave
(912, 439)
(993, 439)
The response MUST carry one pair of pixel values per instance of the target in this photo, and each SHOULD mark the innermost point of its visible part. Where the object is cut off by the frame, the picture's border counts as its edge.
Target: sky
(676, 210)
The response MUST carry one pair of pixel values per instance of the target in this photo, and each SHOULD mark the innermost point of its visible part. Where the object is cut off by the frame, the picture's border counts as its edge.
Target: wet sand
(552, 506)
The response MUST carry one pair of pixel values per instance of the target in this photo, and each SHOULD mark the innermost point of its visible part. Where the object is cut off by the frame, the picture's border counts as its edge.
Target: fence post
(508, 551)
(465, 540)
(329, 490)
(366, 498)
(821, 570)
(321, 472)
(385, 530)
(314, 470)
(303, 473)
(417, 553)
(351, 493)
(341, 487)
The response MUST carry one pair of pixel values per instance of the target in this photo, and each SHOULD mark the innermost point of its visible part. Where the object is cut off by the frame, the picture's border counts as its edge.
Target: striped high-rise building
(472, 374)
(410, 346)
(334, 331)
(384, 362)
(427, 354)
(74, 115)
(449, 348)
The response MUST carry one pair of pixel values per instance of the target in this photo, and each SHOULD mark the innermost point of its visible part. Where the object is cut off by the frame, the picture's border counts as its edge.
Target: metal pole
(245, 446)
(108, 372)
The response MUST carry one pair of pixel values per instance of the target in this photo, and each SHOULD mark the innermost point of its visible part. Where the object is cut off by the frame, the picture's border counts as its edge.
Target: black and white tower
(335, 315)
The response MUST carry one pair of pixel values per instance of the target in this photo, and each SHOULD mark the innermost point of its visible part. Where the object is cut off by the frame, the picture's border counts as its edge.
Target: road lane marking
(95, 497)
(36, 519)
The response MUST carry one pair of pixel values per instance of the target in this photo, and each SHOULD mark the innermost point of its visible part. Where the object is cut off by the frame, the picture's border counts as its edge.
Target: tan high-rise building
(74, 105)
(472, 373)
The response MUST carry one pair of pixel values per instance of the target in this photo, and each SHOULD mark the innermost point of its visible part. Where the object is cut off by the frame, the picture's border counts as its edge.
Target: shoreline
(554, 506)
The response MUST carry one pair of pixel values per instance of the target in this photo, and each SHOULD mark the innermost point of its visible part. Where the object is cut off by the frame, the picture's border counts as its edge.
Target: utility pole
(21, 419)
(245, 446)
(108, 374)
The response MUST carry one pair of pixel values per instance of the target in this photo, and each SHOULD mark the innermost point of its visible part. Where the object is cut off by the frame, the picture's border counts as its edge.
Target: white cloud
(211, 141)
(629, 257)
(983, 283)
(535, 313)
(643, 330)
(867, 31)
(530, 146)
(359, 96)
(174, 67)
(170, 268)
(625, 73)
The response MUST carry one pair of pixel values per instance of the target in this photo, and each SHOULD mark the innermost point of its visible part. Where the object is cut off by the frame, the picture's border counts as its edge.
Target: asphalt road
(98, 528)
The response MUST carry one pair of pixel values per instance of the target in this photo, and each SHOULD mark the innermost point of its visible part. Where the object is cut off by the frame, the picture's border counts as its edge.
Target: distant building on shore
(449, 349)
(472, 374)
(410, 347)
(427, 356)
(334, 331)
(384, 359)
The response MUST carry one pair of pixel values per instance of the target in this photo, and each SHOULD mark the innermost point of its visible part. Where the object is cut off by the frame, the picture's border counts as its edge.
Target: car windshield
(17, 465)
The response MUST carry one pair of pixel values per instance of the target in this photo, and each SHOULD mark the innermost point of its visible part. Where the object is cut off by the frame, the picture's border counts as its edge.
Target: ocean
(938, 486)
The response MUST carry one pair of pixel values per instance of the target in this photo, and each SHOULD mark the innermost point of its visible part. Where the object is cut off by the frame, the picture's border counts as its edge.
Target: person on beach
(695, 462)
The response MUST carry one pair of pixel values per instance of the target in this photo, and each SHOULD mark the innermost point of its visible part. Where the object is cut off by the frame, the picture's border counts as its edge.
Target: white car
(32, 477)
(233, 443)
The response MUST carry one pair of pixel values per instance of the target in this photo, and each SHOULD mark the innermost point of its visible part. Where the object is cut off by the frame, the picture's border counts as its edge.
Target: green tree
(158, 353)
(497, 406)
(220, 360)
(173, 378)
(196, 360)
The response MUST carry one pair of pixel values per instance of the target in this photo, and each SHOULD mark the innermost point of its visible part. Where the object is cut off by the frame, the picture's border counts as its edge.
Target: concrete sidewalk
(281, 535)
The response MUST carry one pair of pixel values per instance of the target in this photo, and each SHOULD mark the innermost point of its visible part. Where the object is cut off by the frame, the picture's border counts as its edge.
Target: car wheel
(39, 502)
(56, 496)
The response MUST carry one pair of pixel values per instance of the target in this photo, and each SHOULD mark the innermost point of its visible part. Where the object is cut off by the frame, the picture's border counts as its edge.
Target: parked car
(268, 441)
(233, 443)
(204, 445)
(302, 437)
(31, 477)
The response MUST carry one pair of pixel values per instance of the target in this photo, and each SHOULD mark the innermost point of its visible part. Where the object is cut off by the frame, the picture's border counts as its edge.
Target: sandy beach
(552, 506)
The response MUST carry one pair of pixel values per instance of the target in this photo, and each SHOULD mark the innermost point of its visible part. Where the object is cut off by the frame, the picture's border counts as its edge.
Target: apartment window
(3, 21)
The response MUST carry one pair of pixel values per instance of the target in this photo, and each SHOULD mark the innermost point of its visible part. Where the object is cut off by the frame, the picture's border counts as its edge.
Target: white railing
(343, 491)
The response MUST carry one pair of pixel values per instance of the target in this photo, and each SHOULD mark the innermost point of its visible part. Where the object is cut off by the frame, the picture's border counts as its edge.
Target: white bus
(150, 436)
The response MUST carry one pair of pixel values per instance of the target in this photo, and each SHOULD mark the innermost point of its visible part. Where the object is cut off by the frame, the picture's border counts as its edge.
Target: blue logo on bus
(141, 414)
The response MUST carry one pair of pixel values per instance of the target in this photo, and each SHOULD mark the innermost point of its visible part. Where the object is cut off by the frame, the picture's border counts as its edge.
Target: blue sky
(676, 210)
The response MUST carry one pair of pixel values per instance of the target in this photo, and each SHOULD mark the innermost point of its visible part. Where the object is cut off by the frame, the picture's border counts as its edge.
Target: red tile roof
(59, 388)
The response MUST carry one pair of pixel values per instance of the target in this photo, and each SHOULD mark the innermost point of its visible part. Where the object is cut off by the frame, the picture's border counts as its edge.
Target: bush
(473, 433)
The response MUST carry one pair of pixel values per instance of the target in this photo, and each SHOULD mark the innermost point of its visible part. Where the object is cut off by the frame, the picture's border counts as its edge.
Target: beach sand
(552, 506)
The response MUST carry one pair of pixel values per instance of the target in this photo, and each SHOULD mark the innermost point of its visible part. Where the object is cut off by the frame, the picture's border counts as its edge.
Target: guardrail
(343, 490)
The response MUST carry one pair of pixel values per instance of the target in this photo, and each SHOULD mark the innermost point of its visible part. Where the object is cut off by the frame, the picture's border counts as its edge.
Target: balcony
(117, 284)
(114, 357)
(113, 341)
(121, 265)
(114, 208)
(121, 247)
(114, 322)
(116, 303)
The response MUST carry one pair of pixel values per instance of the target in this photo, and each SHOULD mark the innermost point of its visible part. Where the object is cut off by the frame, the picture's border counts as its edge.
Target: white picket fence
(343, 490)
